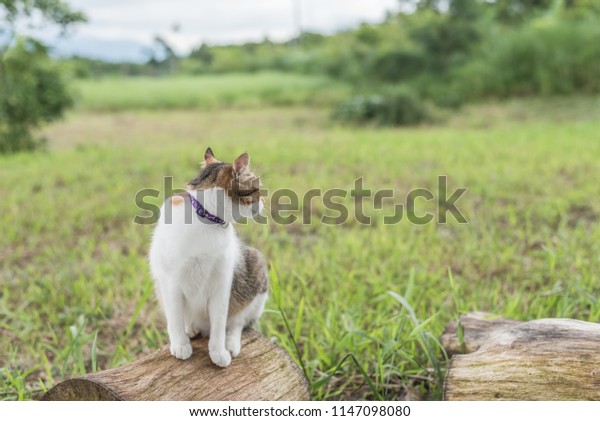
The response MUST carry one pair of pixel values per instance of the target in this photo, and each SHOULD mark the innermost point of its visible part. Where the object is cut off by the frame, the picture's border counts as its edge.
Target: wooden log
(547, 359)
(262, 371)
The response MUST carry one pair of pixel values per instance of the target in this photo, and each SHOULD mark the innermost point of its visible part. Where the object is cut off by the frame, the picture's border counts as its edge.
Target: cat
(207, 281)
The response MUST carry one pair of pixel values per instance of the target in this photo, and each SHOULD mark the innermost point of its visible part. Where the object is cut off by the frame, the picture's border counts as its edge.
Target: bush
(32, 91)
(401, 64)
(558, 58)
(397, 107)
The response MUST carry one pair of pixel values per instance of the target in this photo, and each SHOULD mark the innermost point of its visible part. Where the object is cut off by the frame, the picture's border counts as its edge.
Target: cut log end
(262, 371)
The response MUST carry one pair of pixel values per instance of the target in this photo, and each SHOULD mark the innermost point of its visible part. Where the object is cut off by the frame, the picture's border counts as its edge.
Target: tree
(505, 11)
(162, 57)
(203, 54)
(518, 11)
(32, 88)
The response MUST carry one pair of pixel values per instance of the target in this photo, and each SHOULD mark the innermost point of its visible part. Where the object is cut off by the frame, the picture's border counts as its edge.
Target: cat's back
(250, 279)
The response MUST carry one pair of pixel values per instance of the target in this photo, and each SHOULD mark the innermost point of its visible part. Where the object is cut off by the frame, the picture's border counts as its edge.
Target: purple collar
(203, 213)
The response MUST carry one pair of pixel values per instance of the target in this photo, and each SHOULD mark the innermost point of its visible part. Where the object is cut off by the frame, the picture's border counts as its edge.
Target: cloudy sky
(122, 26)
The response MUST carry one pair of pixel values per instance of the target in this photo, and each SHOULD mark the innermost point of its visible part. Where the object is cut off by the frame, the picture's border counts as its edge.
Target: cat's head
(239, 188)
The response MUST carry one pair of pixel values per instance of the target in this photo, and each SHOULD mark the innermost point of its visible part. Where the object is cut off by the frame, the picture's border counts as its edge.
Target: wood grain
(547, 359)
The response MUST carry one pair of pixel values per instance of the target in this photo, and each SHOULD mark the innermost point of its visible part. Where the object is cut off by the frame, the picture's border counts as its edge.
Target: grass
(208, 92)
(359, 307)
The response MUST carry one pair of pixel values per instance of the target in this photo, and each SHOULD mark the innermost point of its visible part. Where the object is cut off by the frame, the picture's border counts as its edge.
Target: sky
(118, 29)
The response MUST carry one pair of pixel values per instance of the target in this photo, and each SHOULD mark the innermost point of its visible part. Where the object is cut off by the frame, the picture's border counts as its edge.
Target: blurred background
(101, 99)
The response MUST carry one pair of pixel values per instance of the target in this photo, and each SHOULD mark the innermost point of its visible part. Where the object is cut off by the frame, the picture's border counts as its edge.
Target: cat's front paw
(181, 351)
(222, 358)
(233, 345)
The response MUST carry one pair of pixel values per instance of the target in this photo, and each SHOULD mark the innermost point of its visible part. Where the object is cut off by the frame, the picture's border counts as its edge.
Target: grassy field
(208, 92)
(364, 304)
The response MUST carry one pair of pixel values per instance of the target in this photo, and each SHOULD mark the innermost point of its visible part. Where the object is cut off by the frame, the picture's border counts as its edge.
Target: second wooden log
(547, 359)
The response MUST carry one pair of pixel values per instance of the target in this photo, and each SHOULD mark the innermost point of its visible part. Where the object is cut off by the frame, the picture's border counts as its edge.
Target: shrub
(396, 107)
(558, 58)
(399, 64)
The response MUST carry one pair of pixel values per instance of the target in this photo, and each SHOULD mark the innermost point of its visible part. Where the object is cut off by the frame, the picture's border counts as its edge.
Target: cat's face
(240, 185)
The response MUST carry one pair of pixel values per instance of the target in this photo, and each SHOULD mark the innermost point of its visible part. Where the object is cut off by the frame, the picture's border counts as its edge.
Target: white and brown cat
(207, 281)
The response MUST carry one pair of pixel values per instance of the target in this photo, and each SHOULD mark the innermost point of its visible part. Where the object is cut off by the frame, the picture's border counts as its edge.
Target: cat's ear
(209, 157)
(241, 163)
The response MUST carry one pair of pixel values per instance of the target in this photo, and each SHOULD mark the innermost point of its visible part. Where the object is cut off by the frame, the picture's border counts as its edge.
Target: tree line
(434, 53)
